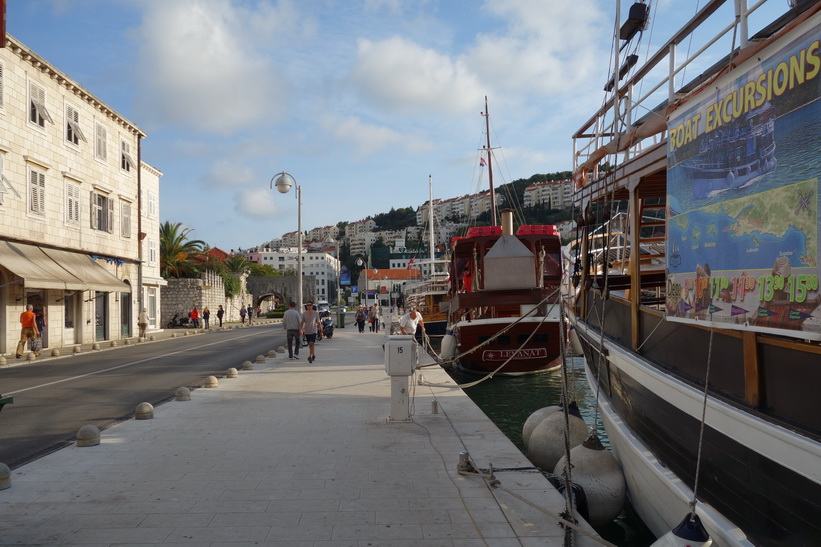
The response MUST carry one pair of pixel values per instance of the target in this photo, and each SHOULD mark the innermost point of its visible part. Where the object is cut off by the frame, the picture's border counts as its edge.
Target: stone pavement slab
(290, 453)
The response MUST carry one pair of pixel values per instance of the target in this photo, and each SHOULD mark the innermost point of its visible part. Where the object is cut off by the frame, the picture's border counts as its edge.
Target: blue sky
(360, 100)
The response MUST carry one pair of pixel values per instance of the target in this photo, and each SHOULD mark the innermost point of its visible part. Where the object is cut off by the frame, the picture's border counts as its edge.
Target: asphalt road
(54, 398)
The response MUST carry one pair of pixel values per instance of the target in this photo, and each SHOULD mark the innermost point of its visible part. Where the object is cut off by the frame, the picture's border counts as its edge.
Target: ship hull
(759, 483)
(538, 355)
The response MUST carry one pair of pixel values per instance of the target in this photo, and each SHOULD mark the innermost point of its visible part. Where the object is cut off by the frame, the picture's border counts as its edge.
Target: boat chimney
(507, 222)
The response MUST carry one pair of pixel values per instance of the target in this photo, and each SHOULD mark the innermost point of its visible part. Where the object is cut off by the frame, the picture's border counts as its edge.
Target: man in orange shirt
(29, 330)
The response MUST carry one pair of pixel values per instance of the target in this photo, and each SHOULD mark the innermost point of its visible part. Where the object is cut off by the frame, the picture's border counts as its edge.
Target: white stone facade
(557, 194)
(150, 226)
(69, 166)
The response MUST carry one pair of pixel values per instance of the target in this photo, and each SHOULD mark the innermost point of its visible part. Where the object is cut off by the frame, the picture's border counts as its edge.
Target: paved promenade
(290, 453)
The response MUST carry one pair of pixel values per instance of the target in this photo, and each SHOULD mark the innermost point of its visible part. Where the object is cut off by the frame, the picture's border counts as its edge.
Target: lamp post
(284, 181)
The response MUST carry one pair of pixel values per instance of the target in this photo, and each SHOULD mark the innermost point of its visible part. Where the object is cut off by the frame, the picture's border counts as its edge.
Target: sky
(359, 100)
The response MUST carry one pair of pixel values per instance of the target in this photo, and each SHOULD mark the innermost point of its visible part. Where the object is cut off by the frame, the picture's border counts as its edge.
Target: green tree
(237, 264)
(262, 270)
(178, 254)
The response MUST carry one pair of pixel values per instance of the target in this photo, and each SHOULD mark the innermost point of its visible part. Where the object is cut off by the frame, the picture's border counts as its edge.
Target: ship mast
(490, 167)
(430, 221)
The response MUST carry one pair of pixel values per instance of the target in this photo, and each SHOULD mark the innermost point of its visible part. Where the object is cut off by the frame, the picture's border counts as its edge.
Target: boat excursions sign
(743, 197)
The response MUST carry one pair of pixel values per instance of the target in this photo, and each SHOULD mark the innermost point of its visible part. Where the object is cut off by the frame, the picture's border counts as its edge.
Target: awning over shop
(36, 268)
(86, 268)
(51, 269)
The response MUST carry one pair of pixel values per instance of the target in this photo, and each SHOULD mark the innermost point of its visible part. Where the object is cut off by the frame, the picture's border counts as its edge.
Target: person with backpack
(242, 313)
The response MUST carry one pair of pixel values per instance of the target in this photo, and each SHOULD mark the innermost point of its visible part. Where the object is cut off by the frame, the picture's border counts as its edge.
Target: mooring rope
(486, 342)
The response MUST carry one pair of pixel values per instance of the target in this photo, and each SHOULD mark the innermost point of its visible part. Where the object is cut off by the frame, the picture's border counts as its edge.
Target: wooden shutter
(37, 192)
(125, 221)
(100, 142)
(110, 215)
(93, 209)
(72, 203)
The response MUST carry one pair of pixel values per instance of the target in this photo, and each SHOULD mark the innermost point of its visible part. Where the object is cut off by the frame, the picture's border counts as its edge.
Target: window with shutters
(73, 132)
(125, 219)
(37, 192)
(38, 113)
(152, 252)
(100, 139)
(152, 205)
(126, 161)
(72, 203)
(102, 213)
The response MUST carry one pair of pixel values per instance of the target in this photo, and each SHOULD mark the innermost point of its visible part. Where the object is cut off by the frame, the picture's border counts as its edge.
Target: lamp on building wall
(284, 182)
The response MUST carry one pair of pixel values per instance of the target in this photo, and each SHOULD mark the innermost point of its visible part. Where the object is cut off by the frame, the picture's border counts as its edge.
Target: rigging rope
(692, 503)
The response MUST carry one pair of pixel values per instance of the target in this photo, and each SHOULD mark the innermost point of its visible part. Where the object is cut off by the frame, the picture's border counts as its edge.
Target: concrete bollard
(152, 338)
(95, 345)
(30, 356)
(3, 361)
(77, 349)
(113, 344)
(281, 350)
(127, 342)
(88, 435)
(260, 358)
(144, 411)
(211, 381)
(186, 333)
(55, 353)
(272, 353)
(231, 373)
(5, 476)
(246, 365)
(182, 394)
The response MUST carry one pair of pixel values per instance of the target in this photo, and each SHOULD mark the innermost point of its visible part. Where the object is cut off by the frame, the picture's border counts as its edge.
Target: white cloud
(545, 48)
(368, 138)
(230, 174)
(255, 202)
(401, 75)
(202, 68)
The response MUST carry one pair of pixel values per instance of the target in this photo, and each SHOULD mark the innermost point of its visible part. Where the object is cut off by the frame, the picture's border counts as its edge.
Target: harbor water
(508, 401)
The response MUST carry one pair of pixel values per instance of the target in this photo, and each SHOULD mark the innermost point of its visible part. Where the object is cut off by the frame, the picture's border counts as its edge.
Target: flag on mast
(482, 162)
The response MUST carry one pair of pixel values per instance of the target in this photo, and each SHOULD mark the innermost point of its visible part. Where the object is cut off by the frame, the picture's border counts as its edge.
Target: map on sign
(750, 232)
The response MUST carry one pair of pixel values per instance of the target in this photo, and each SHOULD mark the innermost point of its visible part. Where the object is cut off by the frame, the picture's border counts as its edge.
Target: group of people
(370, 315)
(296, 324)
(248, 312)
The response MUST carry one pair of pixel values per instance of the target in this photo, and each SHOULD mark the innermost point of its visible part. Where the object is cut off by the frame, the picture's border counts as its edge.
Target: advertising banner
(344, 277)
(742, 181)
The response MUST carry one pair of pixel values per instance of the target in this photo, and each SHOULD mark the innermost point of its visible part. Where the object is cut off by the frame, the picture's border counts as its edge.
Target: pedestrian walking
(142, 322)
(310, 325)
(195, 317)
(292, 323)
(250, 311)
(28, 330)
(242, 313)
(220, 313)
(360, 318)
(206, 316)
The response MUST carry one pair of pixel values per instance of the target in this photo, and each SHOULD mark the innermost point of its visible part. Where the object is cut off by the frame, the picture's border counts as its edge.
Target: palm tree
(237, 264)
(177, 251)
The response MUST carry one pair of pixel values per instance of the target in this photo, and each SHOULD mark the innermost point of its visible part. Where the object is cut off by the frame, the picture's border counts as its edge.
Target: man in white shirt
(407, 325)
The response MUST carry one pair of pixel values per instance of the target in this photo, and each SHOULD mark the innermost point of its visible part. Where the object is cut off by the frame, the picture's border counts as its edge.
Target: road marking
(121, 366)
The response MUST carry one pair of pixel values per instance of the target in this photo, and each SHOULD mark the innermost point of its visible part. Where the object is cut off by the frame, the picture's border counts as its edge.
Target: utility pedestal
(401, 359)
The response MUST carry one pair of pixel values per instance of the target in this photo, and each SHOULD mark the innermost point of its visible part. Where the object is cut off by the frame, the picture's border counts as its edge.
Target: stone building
(70, 201)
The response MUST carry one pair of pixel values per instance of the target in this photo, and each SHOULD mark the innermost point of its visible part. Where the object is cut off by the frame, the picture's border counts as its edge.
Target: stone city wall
(181, 295)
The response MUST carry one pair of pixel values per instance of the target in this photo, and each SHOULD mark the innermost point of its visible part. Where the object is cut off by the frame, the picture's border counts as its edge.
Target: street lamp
(284, 182)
